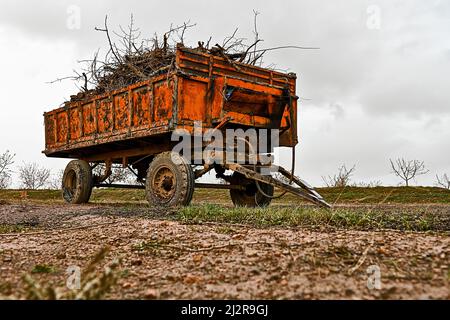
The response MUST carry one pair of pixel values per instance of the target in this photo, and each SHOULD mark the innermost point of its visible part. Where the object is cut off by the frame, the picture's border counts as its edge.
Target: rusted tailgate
(212, 89)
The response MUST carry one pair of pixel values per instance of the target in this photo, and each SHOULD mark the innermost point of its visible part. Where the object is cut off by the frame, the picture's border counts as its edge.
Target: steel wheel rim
(163, 184)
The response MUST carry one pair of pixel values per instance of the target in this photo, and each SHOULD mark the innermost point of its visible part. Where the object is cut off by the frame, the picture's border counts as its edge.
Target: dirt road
(165, 259)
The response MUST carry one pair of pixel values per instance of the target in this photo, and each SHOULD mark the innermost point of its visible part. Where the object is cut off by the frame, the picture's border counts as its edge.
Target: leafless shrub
(408, 170)
(32, 176)
(443, 181)
(118, 175)
(55, 182)
(341, 179)
(6, 161)
(370, 184)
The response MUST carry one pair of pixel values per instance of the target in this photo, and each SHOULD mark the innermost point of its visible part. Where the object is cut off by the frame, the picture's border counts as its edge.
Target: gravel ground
(164, 259)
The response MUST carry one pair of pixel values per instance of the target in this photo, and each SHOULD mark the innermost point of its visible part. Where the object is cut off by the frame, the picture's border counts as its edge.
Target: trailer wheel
(77, 182)
(170, 181)
(251, 196)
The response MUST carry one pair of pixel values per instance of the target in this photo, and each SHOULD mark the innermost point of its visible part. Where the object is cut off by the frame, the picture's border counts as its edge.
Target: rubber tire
(251, 197)
(77, 182)
(184, 184)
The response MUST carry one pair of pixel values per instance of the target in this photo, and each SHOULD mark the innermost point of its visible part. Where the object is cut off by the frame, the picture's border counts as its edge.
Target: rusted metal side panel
(192, 103)
(62, 127)
(120, 111)
(74, 123)
(140, 110)
(50, 130)
(141, 107)
(89, 122)
(104, 115)
(163, 92)
(218, 98)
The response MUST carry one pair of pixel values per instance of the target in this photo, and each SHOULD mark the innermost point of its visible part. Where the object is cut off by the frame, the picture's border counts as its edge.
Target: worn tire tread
(185, 180)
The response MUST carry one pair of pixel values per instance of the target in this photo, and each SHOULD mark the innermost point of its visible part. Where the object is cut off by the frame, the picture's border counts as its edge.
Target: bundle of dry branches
(133, 59)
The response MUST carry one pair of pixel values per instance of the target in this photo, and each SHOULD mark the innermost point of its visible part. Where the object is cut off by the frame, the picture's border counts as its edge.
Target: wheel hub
(163, 183)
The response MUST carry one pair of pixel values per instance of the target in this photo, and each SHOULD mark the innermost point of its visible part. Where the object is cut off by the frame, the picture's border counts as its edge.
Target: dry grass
(95, 282)
(354, 195)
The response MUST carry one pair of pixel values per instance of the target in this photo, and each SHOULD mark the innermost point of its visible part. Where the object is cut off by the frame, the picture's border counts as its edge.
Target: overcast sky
(378, 88)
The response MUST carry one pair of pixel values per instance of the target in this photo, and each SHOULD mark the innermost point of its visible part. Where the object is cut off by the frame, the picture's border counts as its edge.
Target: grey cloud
(46, 17)
(403, 68)
(337, 110)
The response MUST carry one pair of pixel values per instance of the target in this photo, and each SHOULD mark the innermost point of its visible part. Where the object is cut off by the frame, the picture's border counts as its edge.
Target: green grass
(348, 195)
(55, 196)
(363, 219)
(403, 195)
(7, 228)
(43, 268)
(40, 195)
(352, 195)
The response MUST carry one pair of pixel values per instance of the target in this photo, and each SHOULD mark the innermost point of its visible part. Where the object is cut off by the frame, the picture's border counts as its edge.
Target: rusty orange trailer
(133, 126)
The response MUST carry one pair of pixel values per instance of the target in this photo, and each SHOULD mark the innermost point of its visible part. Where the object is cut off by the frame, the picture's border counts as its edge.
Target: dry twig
(130, 60)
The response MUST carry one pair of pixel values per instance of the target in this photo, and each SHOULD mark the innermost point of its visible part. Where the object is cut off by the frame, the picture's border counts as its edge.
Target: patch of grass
(362, 219)
(354, 195)
(351, 195)
(403, 195)
(150, 245)
(43, 268)
(129, 195)
(39, 195)
(156, 248)
(226, 230)
(14, 228)
(124, 273)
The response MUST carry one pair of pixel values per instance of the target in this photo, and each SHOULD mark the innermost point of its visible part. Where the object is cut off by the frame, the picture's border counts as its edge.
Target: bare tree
(32, 176)
(118, 175)
(55, 182)
(443, 181)
(408, 170)
(6, 161)
(341, 179)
